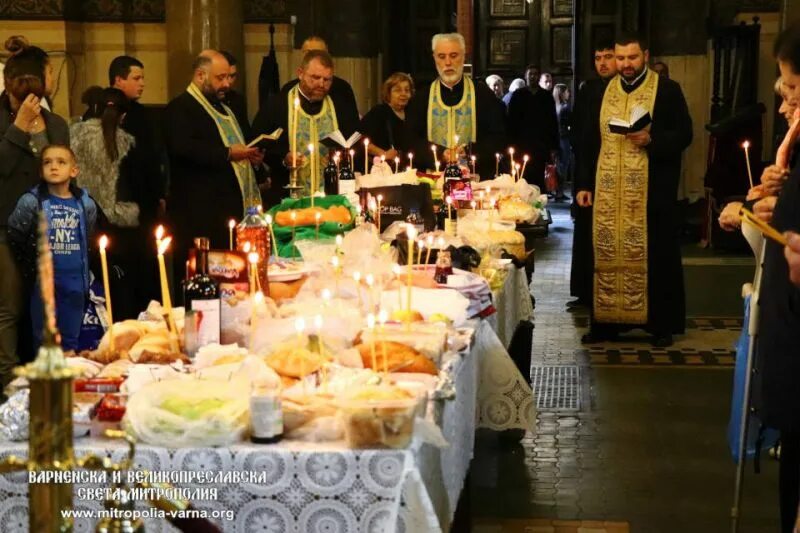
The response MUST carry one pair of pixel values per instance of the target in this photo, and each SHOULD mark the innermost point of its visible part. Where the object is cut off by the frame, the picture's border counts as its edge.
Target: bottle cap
(202, 243)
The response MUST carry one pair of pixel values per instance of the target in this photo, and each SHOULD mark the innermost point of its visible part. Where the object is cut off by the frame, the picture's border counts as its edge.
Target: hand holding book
(640, 118)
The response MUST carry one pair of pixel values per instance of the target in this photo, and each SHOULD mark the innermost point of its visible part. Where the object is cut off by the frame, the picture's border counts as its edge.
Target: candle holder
(293, 187)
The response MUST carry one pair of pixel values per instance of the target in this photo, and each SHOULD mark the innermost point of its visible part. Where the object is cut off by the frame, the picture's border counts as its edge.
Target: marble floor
(644, 451)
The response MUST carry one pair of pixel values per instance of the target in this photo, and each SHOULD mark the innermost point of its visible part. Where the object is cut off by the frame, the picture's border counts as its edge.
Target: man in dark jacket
(212, 175)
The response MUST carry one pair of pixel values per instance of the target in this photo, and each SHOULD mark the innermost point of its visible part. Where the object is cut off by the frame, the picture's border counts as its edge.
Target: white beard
(452, 79)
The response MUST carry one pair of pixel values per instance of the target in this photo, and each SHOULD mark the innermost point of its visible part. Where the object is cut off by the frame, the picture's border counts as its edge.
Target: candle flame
(525, 158)
(430, 240)
(455, 138)
(103, 242)
(300, 324)
(326, 294)
(440, 242)
(473, 158)
(397, 160)
(449, 200)
(268, 219)
(252, 258)
(318, 215)
(383, 316)
(339, 240)
(746, 145)
(294, 215)
(160, 232)
(357, 276)
(473, 203)
(411, 232)
(246, 247)
(371, 321)
(497, 155)
(231, 224)
(411, 155)
(380, 196)
(163, 245)
(335, 262)
(258, 298)
(511, 151)
(421, 244)
(352, 152)
(366, 142)
(370, 279)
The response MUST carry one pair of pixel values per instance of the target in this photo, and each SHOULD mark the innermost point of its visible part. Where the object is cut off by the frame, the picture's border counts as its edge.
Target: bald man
(212, 178)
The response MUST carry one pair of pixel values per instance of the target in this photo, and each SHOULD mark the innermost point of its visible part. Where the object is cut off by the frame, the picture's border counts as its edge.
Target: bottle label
(266, 416)
(208, 322)
(347, 187)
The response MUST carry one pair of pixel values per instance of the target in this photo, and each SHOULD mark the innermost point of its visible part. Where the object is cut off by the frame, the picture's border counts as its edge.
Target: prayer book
(338, 138)
(640, 119)
(265, 137)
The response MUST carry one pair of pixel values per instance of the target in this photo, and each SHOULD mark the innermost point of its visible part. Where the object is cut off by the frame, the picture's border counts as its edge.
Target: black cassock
(533, 128)
(385, 129)
(204, 190)
(490, 121)
(671, 133)
(276, 115)
(580, 282)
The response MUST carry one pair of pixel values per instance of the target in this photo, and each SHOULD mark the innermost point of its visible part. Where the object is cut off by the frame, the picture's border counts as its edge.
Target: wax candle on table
(411, 233)
(294, 137)
(449, 201)
(383, 316)
(252, 260)
(496, 166)
(106, 288)
(746, 146)
(366, 156)
(371, 328)
(274, 244)
(410, 160)
(473, 158)
(317, 218)
(525, 159)
(429, 242)
(165, 296)
(380, 199)
(256, 303)
(420, 246)
(396, 165)
(231, 225)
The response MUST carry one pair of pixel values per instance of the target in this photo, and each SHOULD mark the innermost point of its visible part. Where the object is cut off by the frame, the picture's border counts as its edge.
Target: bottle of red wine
(347, 180)
(201, 294)
(330, 177)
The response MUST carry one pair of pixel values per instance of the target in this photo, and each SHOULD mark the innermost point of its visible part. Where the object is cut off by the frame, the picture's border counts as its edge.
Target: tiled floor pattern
(647, 447)
(538, 525)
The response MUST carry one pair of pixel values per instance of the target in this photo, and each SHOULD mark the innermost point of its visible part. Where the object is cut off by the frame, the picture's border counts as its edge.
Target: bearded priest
(453, 105)
(638, 276)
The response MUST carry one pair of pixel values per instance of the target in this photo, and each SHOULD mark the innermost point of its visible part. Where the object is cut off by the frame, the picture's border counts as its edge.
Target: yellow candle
(396, 165)
(352, 153)
(104, 265)
(252, 260)
(511, 156)
(473, 204)
(366, 156)
(383, 316)
(449, 201)
(317, 217)
(165, 296)
(397, 272)
(435, 158)
(525, 159)
(274, 244)
(293, 148)
(746, 146)
(496, 167)
(371, 328)
(473, 158)
(454, 151)
(411, 233)
(380, 199)
(313, 168)
(410, 160)
(231, 225)
(430, 246)
(420, 246)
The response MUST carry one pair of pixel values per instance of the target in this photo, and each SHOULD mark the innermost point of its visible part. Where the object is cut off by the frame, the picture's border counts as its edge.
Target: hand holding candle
(106, 288)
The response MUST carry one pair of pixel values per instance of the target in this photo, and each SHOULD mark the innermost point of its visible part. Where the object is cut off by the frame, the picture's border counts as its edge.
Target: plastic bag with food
(183, 413)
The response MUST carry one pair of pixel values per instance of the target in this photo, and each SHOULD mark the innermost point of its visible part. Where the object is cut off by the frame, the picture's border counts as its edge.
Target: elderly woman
(385, 124)
(496, 84)
(26, 127)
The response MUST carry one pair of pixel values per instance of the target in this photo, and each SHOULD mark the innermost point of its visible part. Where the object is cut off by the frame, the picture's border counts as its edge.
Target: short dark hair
(630, 37)
(603, 43)
(229, 56)
(320, 55)
(121, 67)
(787, 47)
(62, 147)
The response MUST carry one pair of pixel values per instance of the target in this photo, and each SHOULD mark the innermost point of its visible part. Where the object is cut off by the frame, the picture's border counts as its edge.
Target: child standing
(71, 216)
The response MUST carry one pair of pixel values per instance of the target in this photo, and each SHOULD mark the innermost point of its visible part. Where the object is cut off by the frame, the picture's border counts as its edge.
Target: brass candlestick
(294, 188)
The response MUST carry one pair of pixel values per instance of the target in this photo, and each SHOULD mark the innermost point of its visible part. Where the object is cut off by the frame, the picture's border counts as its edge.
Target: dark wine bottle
(330, 177)
(347, 180)
(201, 293)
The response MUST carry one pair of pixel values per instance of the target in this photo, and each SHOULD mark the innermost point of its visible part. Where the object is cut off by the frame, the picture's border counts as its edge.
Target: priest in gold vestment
(638, 277)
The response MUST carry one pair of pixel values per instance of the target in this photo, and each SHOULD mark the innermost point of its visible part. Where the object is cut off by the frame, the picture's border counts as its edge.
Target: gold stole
(445, 122)
(620, 211)
(230, 133)
(310, 129)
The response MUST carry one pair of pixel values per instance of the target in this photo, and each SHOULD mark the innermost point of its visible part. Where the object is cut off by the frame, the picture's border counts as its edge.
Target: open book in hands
(265, 137)
(338, 138)
(640, 119)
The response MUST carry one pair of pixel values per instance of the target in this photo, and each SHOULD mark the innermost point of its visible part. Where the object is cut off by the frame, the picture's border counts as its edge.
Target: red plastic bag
(550, 178)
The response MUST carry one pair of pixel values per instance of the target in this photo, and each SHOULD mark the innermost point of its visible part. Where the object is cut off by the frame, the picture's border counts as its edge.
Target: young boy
(71, 216)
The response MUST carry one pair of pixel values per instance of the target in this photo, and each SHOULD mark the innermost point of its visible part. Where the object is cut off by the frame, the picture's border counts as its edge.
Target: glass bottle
(330, 177)
(201, 294)
(266, 416)
(347, 180)
(254, 229)
(444, 267)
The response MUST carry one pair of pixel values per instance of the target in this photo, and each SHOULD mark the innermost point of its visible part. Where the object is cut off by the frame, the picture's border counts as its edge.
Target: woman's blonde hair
(395, 79)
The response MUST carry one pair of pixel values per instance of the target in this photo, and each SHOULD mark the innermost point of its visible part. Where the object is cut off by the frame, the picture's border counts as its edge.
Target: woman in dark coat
(385, 124)
(25, 129)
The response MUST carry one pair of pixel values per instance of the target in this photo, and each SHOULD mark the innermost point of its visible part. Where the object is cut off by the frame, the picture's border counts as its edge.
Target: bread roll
(399, 358)
(294, 362)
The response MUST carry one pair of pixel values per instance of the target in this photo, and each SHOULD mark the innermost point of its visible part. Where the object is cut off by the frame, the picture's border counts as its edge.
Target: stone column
(194, 25)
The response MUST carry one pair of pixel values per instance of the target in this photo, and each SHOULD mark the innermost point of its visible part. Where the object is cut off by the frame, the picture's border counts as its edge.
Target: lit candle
(746, 146)
(257, 302)
(430, 246)
(252, 261)
(473, 158)
(525, 159)
(313, 170)
(352, 153)
(318, 327)
(159, 235)
(411, 233)
(440, 243)
(339, 241)
(480, 197)
(293, 216)
(435, 157)
(165, 296)
(366, 156)
(295, 132)
(383, 316)
(371, 328)
(317, 218)
(396, 165)
(496, 166)
(231, 225)
(473, 204)
(511, 155)
(106, 287)
(274, 244)
(246, 247)
(516, 170)
(380, 199)
(410, 160)
(326, 296)
(420, 246)
(357, 279)
(449, 201)
(336, 157)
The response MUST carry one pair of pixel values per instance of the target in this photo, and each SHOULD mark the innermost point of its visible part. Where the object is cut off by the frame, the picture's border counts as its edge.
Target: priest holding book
(307, 114)
(638, 276)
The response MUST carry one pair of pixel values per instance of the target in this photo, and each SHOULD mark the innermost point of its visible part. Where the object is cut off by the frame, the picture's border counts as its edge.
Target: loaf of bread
(399, 358)
(308, 216)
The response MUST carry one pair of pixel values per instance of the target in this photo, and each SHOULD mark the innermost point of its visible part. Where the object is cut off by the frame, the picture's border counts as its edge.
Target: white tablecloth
(327, 488)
